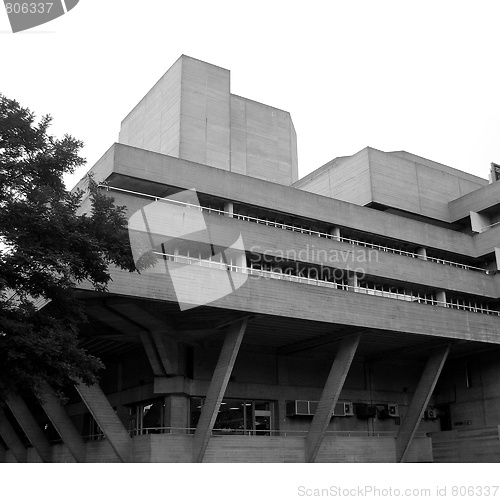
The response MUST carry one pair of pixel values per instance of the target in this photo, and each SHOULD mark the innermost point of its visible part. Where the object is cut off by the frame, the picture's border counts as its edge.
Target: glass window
(237, 416)
(147, 418)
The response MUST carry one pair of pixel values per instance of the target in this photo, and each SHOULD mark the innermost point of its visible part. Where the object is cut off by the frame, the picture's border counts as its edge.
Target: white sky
(419, 76)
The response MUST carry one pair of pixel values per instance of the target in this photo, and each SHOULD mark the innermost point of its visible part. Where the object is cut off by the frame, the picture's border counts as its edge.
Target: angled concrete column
(63, 424)
(330, 395)
(97, 403)
(152, 353)
(156, 336)
(168, 351)
(30, 426)
(12, 439)
(217, 388)
(420, 401)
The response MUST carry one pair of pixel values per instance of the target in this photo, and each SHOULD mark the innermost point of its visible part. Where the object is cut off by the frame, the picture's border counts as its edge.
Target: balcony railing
(408, 297)
(270, 432)
(298, 229)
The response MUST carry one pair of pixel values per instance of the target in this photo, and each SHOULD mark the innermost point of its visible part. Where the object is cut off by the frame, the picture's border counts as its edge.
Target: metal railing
(181, 259)
(161, 430)
(269, 432)
(302, 230)
(94, 437)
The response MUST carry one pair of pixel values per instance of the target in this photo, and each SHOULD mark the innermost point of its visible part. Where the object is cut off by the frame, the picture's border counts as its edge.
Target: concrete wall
(478, 446)
(263, 142)
(154, 123)
(476, 201)
(346, 179)
(397, 180)
(190, 114)
(471, 389)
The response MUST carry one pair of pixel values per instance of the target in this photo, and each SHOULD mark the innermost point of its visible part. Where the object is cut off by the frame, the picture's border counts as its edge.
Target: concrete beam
(12, 439)
(304, 345)
(112, 427)
(30, 426)
(63, 424)
(330, 395)
(420, 401)
(217, 388)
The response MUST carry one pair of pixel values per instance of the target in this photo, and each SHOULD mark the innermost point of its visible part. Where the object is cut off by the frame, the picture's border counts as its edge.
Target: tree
(46, 249)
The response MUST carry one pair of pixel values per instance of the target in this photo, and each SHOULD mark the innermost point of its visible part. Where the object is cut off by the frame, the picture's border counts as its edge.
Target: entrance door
(261, 423)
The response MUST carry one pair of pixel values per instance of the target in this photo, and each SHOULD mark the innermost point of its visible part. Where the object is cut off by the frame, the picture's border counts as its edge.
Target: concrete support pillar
(30, 426)
(479, 222)
(352, 280)
(330, 395)
(217, 388)
(422, 253)
(335, 232)
(2, 454)
(97, 403)
(441, 298)
(12, 440)
(497, 258)
(420, 401)
(177, 413)
(63, 424)
(229, 208)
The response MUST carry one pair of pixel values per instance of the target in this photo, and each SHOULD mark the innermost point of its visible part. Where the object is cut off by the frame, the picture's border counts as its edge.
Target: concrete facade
(191, 114)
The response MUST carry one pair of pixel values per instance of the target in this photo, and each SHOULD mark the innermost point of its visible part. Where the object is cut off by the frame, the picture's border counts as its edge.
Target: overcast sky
(417, 76)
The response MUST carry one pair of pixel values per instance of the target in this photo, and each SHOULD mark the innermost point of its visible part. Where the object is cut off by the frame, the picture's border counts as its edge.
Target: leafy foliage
(47, 247)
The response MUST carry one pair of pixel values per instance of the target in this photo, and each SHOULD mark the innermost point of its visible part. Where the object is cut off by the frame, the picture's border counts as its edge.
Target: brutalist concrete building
(348, 316)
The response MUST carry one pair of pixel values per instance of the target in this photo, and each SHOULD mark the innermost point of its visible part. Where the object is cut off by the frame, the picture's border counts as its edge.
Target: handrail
(159, 430)
(272, 432)
(311, 232)
(313, 281)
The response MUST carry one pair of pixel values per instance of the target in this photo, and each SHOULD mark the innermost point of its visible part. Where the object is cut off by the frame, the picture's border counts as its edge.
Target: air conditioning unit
(343, 409)
(301, 407)
(390, 410)
(393, 410)
(298, 408)
(430, 414)
(366, 411)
